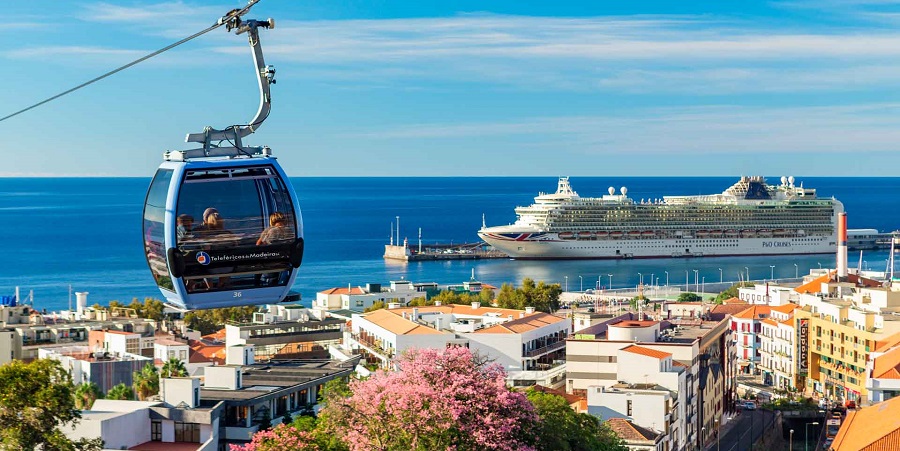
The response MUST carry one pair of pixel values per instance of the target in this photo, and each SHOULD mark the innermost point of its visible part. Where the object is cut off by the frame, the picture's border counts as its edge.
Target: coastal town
(814, 362)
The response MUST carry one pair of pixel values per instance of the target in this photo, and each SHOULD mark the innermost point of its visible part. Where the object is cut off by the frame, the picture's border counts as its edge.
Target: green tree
(542, 296)
(688, 297)
(85, 395)
(562, 429)
(120, 392)
(732, 291)
(265, 422)
(287, 419)
(377, 305)
(173, 368)
(146, 382)
(35, 399)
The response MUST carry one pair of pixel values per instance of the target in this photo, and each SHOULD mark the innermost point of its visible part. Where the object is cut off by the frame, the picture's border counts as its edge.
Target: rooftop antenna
(398, 230)
(420, 240)
(473, 273)
(70, 297)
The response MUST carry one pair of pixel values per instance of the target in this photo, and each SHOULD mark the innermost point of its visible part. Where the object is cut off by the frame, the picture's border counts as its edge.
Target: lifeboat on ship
(701, 234)
(566, 235)
(585, 235)
(648, 234)
(615, 235)
(715, 233)
(764, 233)
(601, 234)
(779, 232)
(634, 234)
(731, 233)
(748, 233)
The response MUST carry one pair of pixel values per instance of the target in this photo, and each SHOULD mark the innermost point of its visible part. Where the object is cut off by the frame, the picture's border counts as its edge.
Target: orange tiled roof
(875, 428)
(815, 285)
(216, 336)
(734, 300)
(887, 365)
(631, 432)
(770, 322)
(530, 322)
(755, 312)
(786, 308)
(211, 353)
(340, 290)
(728, 309)
(677, 363)
(647, 352)
(887, 343)
(397, 324)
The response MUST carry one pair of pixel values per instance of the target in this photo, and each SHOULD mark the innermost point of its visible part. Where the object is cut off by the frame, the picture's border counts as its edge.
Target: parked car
(749, 405)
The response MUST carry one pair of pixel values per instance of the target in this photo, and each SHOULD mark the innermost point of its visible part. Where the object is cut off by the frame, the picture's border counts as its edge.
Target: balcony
(546, 349)
(372, 345)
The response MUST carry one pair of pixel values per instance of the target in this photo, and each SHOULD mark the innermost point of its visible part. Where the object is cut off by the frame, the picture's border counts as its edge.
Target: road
(737, 438)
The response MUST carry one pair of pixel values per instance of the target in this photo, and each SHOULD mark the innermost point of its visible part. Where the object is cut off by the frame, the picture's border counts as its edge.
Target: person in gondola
(185, 231)
(214, 234)
(277, 232)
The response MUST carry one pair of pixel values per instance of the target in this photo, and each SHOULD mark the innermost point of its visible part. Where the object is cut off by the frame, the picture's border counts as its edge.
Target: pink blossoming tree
(280, 438)
(439, 400)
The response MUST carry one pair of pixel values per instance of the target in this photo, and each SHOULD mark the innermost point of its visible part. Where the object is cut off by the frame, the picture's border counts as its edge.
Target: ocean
(86, 232)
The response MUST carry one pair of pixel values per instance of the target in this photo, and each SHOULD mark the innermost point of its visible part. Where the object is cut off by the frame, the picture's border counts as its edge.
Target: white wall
(588, 363)
(505, 349)
(647, 409)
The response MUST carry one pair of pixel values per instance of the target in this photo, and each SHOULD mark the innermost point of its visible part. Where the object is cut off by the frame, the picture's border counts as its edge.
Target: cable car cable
(226, 19)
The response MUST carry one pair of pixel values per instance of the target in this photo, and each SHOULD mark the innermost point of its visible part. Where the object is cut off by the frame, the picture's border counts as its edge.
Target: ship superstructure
(749, 218)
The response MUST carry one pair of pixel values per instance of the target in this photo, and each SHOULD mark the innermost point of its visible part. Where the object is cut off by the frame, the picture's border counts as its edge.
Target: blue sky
(423, 88)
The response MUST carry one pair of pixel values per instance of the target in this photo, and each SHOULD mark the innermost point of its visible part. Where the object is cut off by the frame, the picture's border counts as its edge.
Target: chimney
(476, 305)
(522, 315)
(437, 303)
(415, 314)
(529, 310)
(842, 246)
(393, 305)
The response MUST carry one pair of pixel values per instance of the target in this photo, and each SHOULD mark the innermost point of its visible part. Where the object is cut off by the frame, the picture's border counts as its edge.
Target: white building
(651, 392)
(102, 368)
(883, 369)
(10, 345)
(778, 348)
(358, 299)
(767, 294)
(746, 328)
(529, 344)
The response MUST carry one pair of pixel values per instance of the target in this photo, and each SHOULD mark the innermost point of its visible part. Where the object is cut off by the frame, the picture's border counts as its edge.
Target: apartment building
(701, 345)
(883, 371)
(100, 367)
(779, 348)
(746, 327)
(358, 299)
(286, 332)
(530, 345)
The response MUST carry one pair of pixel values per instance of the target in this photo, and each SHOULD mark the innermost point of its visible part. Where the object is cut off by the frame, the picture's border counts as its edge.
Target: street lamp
(772, 275)
(687, 281)
(667, 282)
(696, 280)
(796, 271)
(567, 284)
(702, 286)
(581, 279)
(610, 281)
(598, 281)
(791, 442)
(651, 279)
(641, 276)
(748, 273)
(820, 265)
(721, 279)
(806, 435)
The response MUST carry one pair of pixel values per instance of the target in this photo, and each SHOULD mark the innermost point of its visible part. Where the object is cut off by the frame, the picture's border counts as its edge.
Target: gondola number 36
(238, 294)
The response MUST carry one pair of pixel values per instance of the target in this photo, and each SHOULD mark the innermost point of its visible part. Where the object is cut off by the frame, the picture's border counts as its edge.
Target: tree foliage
(688, 297)
(377, 305)
(732, 291)
(210, 321)
(281, 438)
(542, 296)
(35, 399)
(146, 382)
(173, 367)
(562, 429)
(440, 399)
(120, 392)
(85, 395)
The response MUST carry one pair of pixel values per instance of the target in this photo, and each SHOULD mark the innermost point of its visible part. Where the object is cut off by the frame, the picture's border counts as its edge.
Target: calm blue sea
(86, 232)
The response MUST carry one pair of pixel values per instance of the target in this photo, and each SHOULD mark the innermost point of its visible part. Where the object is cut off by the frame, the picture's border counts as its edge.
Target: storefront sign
(803, 341)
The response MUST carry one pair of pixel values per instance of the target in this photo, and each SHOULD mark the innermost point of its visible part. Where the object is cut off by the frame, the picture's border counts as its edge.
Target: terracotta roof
(647, 352)
(756, 312)
(887, 365)
(720, 312)
(815, 285)
(216, 336)
(397, 324)
(875, 428)
(630, 323)
(734, 300)
(788, 322)
(528, 323)
(677, 363)
(786, 308)
(354, 290)
(495, 329)
(631, 432)
(211, 353)
(770, 322)
(571, 399)
(887, 343)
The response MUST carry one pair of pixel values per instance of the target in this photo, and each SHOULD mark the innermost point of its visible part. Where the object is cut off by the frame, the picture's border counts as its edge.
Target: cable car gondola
(222, 225)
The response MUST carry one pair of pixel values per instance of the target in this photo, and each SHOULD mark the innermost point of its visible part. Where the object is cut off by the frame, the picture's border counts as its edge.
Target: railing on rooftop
(546, 349)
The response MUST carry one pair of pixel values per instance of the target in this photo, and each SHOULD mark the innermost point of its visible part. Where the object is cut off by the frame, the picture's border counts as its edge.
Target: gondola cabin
(222, 232)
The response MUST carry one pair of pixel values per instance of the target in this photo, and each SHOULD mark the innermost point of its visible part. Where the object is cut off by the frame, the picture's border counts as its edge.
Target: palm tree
(173, 368)
(146, 382)
(85, 395)
(120, 391)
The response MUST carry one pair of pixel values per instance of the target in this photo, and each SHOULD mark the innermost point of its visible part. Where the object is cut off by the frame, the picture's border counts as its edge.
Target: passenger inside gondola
(185, 229)
(277, 232)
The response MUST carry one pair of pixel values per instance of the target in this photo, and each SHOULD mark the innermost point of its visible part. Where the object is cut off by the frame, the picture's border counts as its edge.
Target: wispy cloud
(159, 14)
(693, 130)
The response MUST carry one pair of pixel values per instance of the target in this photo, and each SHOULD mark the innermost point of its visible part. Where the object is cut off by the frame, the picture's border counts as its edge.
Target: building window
(628, 407)
(359, 303)
(156, 430)
(187, 432)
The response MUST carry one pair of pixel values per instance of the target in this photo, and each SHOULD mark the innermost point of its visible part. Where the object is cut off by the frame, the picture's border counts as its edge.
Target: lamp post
(721, 278)
(581, 280)
(796, 271)
(703, 437)
(641, 277)
(806, 435)
(667, 282)
(598, 281)
(651, 280)
(772, 273)
(791, 442)
(610, 281)
(687, 281)
(567, 284)
(696, 280)
(820, 265)
(702, 286)
(748, 273)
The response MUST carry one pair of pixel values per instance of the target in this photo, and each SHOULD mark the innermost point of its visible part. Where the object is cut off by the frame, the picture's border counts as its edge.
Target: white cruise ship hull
(537, 245)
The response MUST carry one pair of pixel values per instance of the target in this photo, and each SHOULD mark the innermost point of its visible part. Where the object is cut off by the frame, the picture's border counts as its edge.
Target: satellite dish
(611, 191)
(624, 190)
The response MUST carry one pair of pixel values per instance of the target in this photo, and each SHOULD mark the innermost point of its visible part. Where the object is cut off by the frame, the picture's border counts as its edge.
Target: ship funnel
(611, 191)
(81, 302)
(842, 246)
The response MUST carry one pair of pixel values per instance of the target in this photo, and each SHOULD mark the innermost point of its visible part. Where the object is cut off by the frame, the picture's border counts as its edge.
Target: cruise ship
(751, 217)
